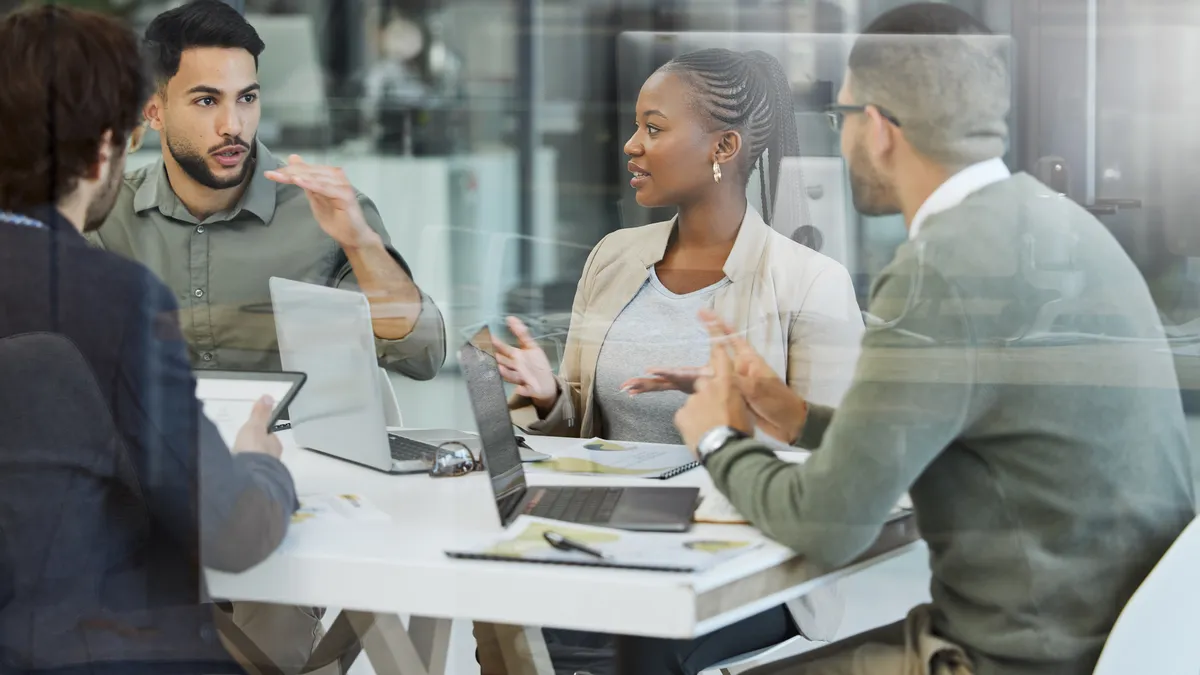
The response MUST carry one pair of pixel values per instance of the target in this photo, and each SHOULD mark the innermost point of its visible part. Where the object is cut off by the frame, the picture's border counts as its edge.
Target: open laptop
(326, 333)
(651, 509)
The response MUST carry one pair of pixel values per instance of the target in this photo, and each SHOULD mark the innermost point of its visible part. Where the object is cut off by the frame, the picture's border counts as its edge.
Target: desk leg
(524, 650)
(432, 639)
(391, 648)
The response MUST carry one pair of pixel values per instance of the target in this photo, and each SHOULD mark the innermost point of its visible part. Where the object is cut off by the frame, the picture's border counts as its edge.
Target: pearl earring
(716, 172)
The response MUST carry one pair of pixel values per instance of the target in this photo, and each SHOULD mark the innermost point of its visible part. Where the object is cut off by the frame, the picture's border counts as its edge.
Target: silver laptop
(326, 333)
(651, 509)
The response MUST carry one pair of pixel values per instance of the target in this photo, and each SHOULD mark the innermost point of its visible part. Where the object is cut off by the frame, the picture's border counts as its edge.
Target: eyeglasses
(836, 114)
(454, 459)
(136, 137)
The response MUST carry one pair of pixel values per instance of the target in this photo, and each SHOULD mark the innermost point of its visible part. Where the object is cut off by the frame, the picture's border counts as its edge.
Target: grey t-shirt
(656, 328)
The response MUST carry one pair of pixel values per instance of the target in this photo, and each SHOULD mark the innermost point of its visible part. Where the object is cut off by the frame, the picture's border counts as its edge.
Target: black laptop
(648, 509)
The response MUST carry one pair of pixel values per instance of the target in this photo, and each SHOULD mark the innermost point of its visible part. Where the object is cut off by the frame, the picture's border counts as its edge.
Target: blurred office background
(489, 132)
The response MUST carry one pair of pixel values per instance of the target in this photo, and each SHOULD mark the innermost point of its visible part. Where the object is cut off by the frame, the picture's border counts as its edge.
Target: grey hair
(950, 93)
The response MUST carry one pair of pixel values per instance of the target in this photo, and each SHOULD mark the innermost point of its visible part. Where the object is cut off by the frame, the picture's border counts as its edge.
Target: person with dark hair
(705, 121)
(217, 216)
(105, 533)
(1014, 380)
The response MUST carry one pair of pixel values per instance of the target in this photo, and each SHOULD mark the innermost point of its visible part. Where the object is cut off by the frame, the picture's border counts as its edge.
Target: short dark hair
(942, 74)
(200, 23)
(71, 75)
(748, 92)
(926, 18)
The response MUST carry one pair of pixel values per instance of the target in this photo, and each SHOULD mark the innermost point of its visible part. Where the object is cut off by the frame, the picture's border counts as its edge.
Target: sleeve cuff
(817, 421)
(720, 464)
(562, 418)
(420, 354)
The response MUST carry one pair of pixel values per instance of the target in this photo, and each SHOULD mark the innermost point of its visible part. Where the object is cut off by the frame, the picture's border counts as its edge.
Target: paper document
(645, 460)
(716, 508)
(343, 507)
(524, 541)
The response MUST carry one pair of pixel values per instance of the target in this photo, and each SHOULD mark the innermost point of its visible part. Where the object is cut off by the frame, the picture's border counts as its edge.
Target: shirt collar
(743, 258)
(53, 219)
(259, 198)
(957, 188)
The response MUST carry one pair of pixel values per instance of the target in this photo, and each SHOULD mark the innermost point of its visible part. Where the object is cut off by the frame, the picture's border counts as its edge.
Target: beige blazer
(794, 305)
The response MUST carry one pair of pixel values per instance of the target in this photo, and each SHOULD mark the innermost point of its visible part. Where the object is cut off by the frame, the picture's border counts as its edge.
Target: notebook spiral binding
(671, 473)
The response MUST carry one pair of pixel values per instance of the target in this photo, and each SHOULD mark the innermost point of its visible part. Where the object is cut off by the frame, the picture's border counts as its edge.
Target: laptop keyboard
(407, 450)
(576, 504)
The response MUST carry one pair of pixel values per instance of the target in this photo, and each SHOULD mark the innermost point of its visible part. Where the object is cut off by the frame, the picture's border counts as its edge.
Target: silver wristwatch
(715, 439)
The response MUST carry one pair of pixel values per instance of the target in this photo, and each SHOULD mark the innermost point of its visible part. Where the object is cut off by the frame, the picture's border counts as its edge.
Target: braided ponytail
(784, 140)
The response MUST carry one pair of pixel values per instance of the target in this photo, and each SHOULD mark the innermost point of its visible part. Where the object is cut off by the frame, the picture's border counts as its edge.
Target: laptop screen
(501, 455)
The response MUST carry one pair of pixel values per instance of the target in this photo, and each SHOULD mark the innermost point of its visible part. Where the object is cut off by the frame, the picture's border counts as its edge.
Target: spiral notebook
(524, 542)
(599, 457)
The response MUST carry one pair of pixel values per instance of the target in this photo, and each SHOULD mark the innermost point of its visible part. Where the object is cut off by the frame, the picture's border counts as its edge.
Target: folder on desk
(524, 542)
(599, 457)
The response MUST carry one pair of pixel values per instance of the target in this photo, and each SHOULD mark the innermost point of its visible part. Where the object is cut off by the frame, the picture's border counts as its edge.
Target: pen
(563, 544)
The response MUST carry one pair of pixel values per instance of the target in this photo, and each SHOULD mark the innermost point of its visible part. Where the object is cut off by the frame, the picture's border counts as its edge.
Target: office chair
(55, 421)
(1155, 632)
(6, 573)
(53, 412)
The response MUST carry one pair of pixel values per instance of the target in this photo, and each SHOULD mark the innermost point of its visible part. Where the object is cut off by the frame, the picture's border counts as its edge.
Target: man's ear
(729, 146)
(881, 135)
(103, 156)
(152, 111)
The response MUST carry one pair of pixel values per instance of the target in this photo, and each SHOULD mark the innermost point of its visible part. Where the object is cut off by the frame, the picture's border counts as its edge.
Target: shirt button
(207, 356)
(199, 229)
(199, 292)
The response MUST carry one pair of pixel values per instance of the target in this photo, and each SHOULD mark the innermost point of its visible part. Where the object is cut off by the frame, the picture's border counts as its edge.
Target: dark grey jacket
(114, 489)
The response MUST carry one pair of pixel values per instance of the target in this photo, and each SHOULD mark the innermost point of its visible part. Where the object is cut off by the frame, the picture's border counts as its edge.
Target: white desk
(383, 570)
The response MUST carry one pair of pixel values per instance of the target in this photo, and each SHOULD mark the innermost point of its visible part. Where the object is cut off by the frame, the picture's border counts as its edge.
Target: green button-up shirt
(218, 267)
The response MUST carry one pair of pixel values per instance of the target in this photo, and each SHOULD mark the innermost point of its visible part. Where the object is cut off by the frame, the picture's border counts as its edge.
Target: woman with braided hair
(705, 121)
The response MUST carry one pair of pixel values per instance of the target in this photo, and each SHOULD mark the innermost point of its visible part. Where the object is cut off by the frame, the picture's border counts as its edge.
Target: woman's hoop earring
(716, 172)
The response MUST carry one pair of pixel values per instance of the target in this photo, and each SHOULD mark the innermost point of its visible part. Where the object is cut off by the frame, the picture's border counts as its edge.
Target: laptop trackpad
(665, 509)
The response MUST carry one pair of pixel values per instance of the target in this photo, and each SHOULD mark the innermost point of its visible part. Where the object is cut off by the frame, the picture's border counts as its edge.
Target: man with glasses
(1014, 380)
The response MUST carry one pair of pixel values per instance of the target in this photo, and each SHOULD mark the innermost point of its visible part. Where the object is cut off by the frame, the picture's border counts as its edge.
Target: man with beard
(218, 215)
(1015, 381)
(104, 527)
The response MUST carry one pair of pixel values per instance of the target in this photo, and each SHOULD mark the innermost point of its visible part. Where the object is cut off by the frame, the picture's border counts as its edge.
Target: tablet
(228, 396)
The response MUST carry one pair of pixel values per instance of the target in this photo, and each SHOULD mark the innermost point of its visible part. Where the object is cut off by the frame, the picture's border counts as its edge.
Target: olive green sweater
(1015, 380)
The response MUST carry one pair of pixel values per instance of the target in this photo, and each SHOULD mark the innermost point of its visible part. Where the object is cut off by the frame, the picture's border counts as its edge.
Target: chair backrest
(1157, 630)
(6, 572)
(54, 429)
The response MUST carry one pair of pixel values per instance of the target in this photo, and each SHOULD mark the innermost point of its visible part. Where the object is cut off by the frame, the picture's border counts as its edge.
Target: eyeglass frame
(447, 448)
(836, 114)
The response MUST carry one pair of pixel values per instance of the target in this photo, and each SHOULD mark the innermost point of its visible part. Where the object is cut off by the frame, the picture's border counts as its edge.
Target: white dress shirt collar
(957, 188)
